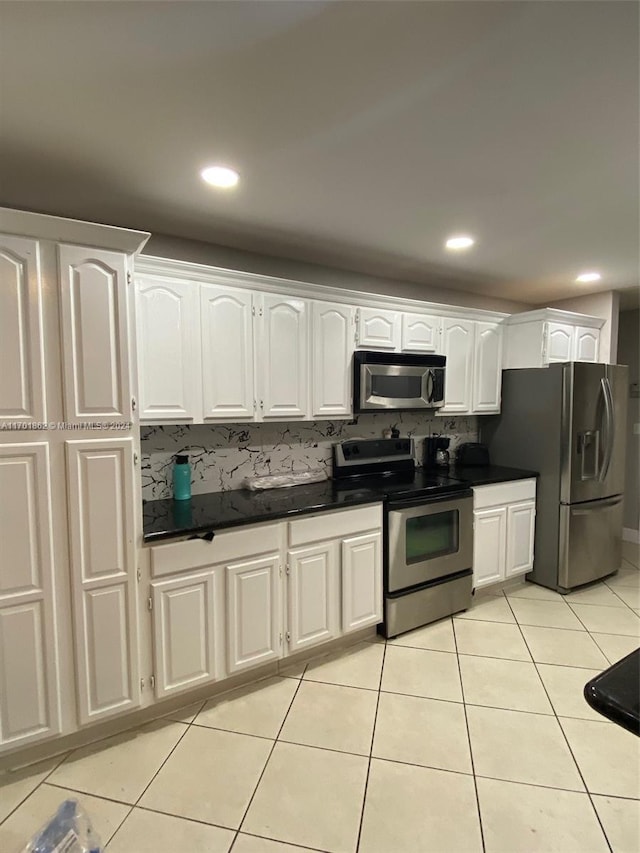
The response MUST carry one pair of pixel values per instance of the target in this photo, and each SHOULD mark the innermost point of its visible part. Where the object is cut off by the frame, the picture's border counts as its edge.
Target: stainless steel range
(428, 530)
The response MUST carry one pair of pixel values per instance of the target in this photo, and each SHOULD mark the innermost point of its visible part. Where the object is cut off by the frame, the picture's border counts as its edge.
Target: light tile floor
(467, 735)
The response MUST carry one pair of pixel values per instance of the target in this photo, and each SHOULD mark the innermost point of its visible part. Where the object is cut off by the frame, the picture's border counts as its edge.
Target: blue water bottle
(181, 478)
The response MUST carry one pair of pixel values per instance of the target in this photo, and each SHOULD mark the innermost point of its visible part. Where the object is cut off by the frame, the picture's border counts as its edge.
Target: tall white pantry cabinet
(68, 495)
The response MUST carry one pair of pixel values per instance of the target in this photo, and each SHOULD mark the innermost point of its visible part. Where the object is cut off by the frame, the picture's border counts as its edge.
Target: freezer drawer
(590, 541)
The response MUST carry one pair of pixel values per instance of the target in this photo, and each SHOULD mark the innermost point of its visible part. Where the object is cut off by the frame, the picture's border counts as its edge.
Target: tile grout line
(566, 739)
(266, 764)
(167, 757)
(62, 757)
(373, 735)
(466, 721)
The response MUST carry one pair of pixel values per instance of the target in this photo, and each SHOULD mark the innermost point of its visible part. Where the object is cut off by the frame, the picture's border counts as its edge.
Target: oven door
(400, 386)
(429, 539)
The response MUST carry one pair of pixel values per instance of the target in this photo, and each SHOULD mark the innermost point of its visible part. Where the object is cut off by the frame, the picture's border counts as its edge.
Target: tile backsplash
(222, 456)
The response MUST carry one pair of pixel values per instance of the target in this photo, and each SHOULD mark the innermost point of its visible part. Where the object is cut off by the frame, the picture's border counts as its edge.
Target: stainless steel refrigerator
(568, 422)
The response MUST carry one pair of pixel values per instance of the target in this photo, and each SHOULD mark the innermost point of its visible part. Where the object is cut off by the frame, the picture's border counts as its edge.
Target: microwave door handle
(430, 386)
(609, 428)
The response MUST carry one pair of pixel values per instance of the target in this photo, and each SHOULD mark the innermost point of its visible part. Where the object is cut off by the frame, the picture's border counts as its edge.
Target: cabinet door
(29, 695)
(378, 329)
(520, 535)
(22, 393)
(168, 356)
(95, 339)
(283, 357)
(487, 367)
(253, 612)
(361, 581)
(420, 333)
(559, 342)
(227, 354)
(457, 338)
(184, 632)
(332, 350)
(586, 344)
(489, 541)
(102, 550)
(313, 595)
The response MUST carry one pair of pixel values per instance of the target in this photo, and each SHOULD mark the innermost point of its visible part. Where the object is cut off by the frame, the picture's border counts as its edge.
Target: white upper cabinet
(487, 367)
(378, 329)
(103, 569)
(29, 696)
(559, 342)
(332, 334)
(457, 337)
(586, 343)
(282, 357)
(168, 351)
(421, 333)
(95, 335)
(548, 335)
(227, 353)
(22, 389)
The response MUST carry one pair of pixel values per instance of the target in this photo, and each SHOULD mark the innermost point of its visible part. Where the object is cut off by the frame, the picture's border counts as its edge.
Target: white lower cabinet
(219, 608)
(361, 581)
(103, 567)
(253, 612)
(489, 526)
(185, 633)
(29, 691)
(313, 595)
(503, 531)
(521, 521)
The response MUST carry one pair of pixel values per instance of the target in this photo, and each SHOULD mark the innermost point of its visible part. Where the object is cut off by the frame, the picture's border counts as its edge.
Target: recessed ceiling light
(589, 276)
(220, 176)
(461, 241)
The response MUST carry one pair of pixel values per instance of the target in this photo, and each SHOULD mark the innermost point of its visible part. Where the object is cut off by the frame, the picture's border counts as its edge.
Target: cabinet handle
(261, 405)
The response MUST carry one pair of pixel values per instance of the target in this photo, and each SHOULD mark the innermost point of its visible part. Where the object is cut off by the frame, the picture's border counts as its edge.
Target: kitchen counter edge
(216, 511)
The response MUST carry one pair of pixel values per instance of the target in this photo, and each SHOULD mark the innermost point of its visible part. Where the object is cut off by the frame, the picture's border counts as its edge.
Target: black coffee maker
(436, 452)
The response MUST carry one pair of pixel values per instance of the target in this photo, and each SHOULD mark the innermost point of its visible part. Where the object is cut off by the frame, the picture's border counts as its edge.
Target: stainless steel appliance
(567, 421)
(397, 381)
(428, 530)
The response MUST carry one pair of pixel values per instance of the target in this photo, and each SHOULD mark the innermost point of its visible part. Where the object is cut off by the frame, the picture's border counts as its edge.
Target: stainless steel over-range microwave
(383, 381)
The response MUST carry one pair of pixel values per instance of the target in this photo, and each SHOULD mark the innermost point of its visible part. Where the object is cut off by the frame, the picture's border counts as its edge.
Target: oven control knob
(347, 452)
(356, 450)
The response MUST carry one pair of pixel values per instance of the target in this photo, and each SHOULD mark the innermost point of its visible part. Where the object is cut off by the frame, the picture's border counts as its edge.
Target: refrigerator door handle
(609, 430)
(598, 505)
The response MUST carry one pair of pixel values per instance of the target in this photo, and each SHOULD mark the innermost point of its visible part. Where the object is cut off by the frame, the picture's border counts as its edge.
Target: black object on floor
(615, 693)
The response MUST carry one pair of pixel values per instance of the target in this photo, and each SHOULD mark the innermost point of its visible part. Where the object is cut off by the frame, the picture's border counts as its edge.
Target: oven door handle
(411, 503)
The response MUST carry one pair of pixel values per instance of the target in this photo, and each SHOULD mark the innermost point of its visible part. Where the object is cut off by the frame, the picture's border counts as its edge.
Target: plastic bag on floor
(68, 831)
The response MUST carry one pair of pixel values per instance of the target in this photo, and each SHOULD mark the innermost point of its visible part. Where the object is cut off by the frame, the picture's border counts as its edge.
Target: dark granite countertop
(164, 519)
(485, 475)
(615, 693)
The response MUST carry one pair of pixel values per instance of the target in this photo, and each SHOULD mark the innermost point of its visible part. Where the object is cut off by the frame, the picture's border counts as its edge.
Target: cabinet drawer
(228, 546)
(334, 525)
(500, 494)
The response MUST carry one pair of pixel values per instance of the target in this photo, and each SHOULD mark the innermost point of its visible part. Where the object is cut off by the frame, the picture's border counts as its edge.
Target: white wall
(629, 353)
(605, 305)
(164, 246)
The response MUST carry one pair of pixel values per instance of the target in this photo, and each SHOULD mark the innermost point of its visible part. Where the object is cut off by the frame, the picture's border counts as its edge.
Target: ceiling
(365, 133)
